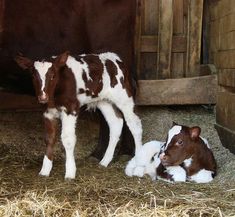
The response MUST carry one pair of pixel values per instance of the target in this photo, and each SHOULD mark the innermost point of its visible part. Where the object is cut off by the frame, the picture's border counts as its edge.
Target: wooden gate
(168, 54)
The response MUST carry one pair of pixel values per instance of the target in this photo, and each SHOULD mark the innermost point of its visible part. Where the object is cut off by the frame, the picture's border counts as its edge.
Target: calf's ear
(61, 59)
(195, 132)
(24, 62)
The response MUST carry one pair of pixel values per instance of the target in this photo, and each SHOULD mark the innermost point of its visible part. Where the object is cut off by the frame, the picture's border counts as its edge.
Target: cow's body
(45, 28)
(67, 83)
(185, 156)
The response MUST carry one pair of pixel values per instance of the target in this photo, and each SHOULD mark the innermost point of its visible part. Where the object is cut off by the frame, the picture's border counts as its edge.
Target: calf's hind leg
(115, 128)
(50, 122)
(133, 122)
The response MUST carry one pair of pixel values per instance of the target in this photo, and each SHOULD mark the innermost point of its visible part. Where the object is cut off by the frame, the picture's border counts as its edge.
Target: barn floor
(99, 191)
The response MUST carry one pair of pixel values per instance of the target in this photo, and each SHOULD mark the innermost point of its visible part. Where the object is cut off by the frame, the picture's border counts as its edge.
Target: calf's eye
(180, 142)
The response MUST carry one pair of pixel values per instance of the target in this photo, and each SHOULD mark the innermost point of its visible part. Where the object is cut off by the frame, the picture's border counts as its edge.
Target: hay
(99, 191)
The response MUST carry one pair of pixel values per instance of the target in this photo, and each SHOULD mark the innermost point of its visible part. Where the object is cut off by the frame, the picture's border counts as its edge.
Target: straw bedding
(99, 191)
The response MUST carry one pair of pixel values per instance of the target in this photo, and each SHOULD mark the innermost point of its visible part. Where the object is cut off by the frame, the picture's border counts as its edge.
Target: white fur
(203, 176)
(188, 162)
(206, 142)
(175, 130)
(42, 68)
(68, 138)
(46, 167)
(51, 113)
(141, 163)
(115, 128)
(178, 173)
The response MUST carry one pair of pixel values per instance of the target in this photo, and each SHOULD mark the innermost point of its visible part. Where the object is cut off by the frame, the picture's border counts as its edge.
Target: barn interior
(184, 61)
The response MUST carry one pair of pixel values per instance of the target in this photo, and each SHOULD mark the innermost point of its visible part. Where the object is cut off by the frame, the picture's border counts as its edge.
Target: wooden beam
(150, 44)
(197, 90)
(165, 35)
(195, 10)
(226, 77)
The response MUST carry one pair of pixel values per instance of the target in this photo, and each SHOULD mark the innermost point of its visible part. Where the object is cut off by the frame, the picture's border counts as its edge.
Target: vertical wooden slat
(195, 9)
(165, 38)
(139, 4)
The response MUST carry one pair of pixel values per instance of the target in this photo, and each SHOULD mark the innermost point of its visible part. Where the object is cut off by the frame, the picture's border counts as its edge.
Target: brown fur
(188, 144)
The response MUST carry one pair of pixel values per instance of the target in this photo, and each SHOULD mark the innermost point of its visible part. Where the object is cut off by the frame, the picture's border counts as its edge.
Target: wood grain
(197, 90)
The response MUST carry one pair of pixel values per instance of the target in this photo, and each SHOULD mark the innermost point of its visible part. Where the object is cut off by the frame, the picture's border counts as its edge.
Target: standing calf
(66, 83)
(184, 156)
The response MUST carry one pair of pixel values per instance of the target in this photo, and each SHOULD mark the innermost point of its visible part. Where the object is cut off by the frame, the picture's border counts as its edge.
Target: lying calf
(184, 156)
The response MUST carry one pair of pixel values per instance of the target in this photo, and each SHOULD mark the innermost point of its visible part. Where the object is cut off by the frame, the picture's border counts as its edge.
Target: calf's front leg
(68, 137)
(50, 123)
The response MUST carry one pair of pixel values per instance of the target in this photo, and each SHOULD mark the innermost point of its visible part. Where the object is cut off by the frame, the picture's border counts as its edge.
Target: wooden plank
(227, 23)
(178, 17)
(227, 41)
(197, 90)
(148, 66)
(177, 65)
(226, 59)
(137, 39)
(150, 22)
(226, 77)
(11, 101)
(225, 109)
(150, 44)
(165, 34)
(194, 37)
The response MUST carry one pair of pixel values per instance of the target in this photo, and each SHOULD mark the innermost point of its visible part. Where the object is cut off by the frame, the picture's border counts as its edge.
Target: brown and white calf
(184, 156)
(66, 83)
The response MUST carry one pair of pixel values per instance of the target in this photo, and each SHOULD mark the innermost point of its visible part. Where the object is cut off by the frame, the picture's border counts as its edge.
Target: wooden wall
(222, 54)
(169, 54)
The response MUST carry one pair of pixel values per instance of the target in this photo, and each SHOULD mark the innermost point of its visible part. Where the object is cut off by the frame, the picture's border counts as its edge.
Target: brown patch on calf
(112, 71)
(95, 66)
(50, 136)
(65, 92)
(126, 80)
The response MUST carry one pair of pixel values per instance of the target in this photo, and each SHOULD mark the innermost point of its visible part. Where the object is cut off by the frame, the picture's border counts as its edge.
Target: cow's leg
(50, 122)
(115, 123)
(133, 122)
(68, 137)
(103, 141)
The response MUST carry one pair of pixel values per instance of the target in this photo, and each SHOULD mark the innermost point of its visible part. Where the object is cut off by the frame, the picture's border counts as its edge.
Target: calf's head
(180, 145)
(45, 74)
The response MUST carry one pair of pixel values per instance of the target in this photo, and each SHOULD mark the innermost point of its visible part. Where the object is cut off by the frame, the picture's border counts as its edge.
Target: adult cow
(44, 28)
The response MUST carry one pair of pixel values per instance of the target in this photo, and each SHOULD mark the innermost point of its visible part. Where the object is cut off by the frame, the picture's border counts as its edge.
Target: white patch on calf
(51, 114)
(68, 138)
(42, 68)
(203, 176)
(188, 162)
(115, 128)
(206, 142)
(46, 167)
(175, 130)
(178, 173)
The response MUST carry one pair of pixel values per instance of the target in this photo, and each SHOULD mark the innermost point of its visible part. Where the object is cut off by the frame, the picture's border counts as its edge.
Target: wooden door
(168, 51)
